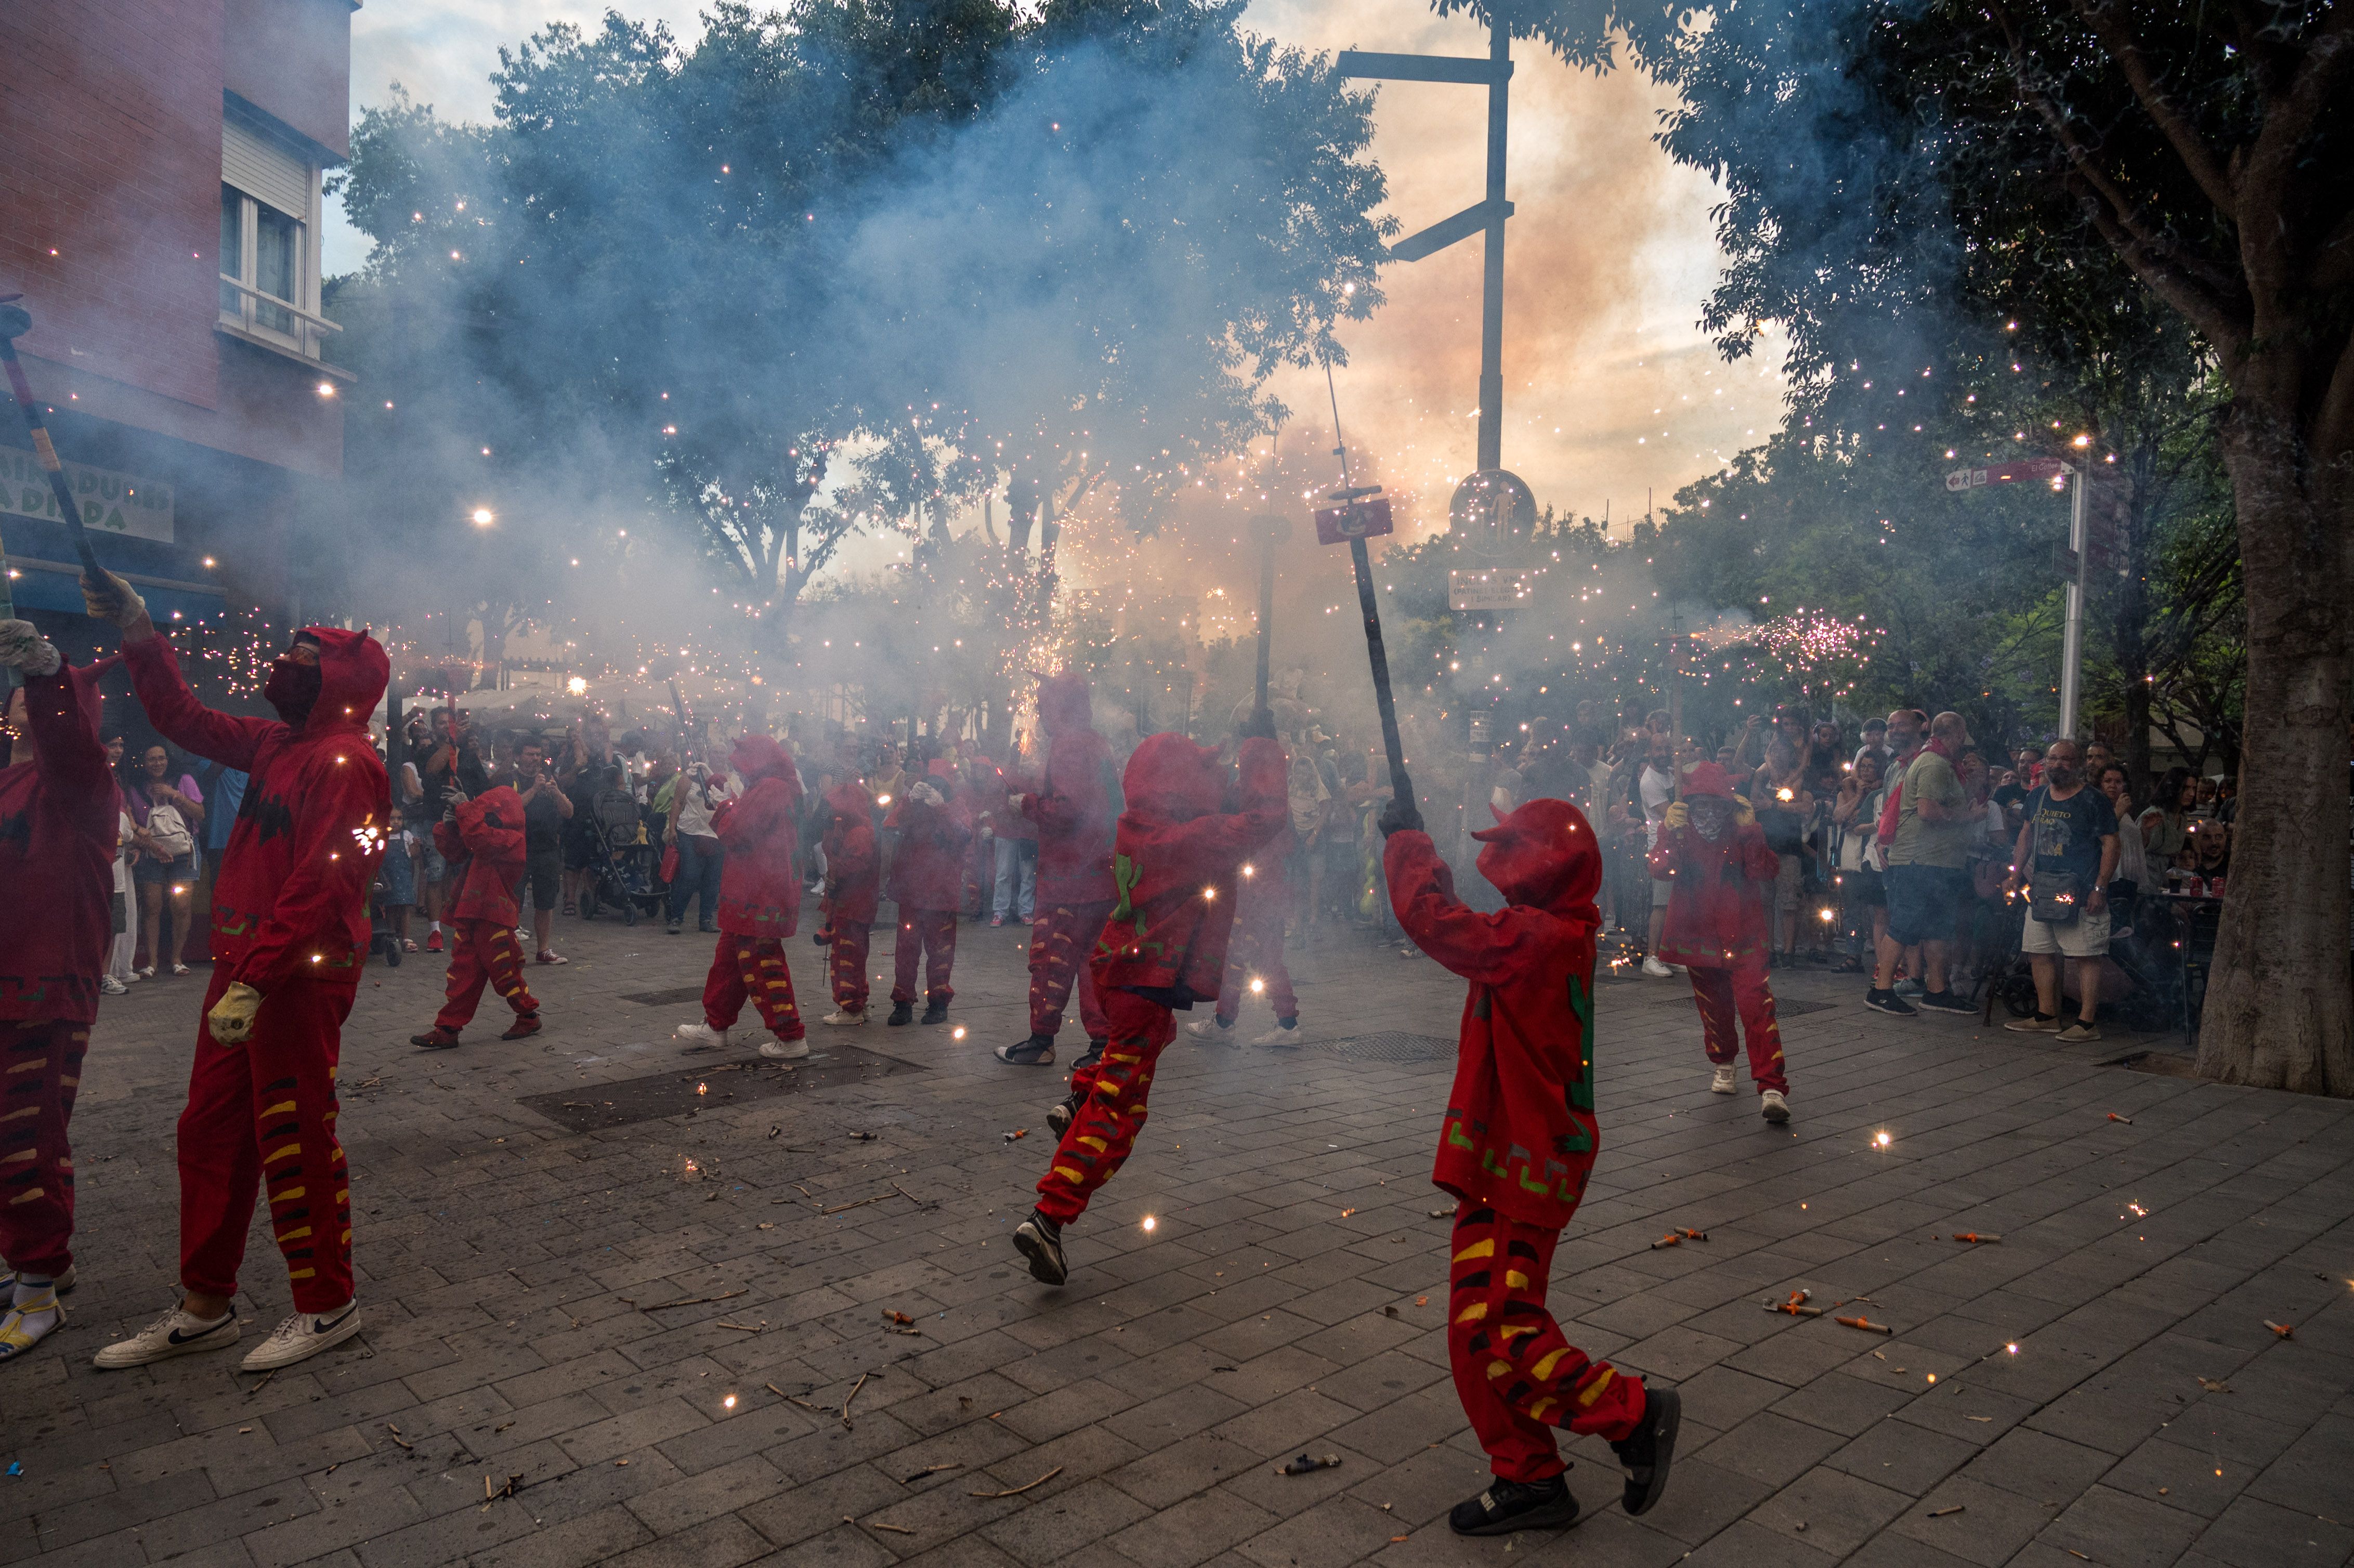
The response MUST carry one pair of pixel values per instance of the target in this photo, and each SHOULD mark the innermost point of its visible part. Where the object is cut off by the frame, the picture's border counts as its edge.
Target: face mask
(292, 689)
(1710, 824)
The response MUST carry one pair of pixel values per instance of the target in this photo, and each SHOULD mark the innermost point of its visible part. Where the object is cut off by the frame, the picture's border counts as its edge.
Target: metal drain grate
(670, 998)
(1782, 1008)
(710, 1086)
(1393, 1046)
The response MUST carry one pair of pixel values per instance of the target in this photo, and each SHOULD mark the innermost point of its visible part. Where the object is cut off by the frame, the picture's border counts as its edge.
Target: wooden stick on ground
(690, 1301)
(1017, 1491)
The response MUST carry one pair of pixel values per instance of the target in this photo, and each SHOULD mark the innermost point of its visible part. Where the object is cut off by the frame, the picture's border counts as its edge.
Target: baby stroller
(622, 876)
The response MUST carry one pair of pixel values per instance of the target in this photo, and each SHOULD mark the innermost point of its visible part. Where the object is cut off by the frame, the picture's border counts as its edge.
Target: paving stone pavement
(1287, 1298)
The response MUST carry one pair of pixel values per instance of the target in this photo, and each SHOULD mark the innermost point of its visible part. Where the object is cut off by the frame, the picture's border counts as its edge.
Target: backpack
(169, 833)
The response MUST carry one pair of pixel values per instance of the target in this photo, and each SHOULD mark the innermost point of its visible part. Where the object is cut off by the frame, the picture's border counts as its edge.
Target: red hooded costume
(1519, 1136)
(1074, 802)
(852, 870)
(927, 884)
(58, 815)
(759, 891)
(290, 919)
(1719, 927)
(1164, 945)
(484, 849)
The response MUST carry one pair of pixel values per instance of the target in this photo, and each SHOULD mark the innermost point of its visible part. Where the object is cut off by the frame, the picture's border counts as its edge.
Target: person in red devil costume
(1075, 802)
(1721, 873)
(1255, 958)
(482, 841)
(290, 936)
(934, 820)
(759, 903)
(1174, 864)
(1517, 1145)
(852, 879)
(57, 807)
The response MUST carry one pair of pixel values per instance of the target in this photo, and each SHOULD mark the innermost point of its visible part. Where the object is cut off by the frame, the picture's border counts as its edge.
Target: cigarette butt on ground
(2127, 1119)
(1866, 1324)
(1975, 1237)
(2285, 1330)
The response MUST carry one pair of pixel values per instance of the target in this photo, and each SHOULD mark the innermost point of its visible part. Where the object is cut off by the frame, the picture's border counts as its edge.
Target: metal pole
(1491, 285)
(1265, 611)
(1401, 786)
(2071, 647)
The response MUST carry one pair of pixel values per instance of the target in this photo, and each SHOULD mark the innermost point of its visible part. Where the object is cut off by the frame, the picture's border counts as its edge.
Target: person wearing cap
(1720, 874)
(58, 805)
(290, 936)
(1515, 1150)
(1176, 858)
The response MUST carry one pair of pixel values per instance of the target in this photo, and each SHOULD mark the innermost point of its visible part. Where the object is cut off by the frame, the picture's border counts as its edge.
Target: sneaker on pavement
(435, 1038)
(433, 942)
(303, 1336)
(901, 1012)
(176, 1333)
(1888, 1001)
(1722, 1083)
(1908, 986)
(1944, 1001)
(1039, 1240)
(1063, 1112)
(785, 1050)
(525, 1025)
(550, 955)
(2042, 1024)
(2078, 1034)
(1509, 1506)
(1651, 1448)
(1208, 1028)
(1773, 1106)
(1656, 970)
(1281, 1035)
(109, 986)
(1036, 1051)
(700, 1037)
(845, 1019)
(1092, 1054)
(935, 1012)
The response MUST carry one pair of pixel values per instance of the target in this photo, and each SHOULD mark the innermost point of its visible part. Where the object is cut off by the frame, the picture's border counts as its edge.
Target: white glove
(22, 647)
(928, 795)
(113, 600)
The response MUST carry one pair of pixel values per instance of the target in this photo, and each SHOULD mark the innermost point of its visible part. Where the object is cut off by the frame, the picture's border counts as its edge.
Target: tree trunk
(2278, 1010)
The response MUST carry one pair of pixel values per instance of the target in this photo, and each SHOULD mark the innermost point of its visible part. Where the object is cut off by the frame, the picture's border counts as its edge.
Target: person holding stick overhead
(290, 936)
(1074, 801)
(1516, 1147)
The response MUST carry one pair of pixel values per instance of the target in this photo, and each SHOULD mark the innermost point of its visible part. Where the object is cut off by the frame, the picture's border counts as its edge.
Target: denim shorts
(1922, 900)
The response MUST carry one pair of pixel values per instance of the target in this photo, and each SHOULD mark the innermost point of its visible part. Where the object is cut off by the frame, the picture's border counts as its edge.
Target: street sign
(1492, 589)
(2024, 469)
(1354, 520)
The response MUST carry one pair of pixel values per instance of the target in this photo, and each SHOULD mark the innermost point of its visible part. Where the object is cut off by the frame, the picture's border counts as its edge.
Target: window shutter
(265, 171)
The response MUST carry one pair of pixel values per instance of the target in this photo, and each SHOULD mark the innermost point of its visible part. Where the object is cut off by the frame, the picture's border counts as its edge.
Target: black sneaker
(1648, 1450)
(1064, 1112)
(1039, 1240)
(1888, 1001)
(1944, 1002)
(935, 1012)
(671, 929)
(901, 1012)
(1038, 1051)
(1094, 1053)
(1507, 1506)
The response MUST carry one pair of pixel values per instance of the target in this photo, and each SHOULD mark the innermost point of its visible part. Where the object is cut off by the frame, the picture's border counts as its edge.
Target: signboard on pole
(1494, 588)
(1354, 520)
(2049, 470)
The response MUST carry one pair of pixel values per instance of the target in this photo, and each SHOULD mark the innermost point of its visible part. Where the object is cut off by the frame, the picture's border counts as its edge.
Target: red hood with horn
(853, 866)
(57, 817)
(1719, 893)
(290, 900)
(759, 883)
(484, 847)
(928, 867)
(1519, 1131)
(1076, 800)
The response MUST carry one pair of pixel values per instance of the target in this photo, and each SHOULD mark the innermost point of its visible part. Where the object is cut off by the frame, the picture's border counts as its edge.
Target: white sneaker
(1279, 1035)
(176, 1333)
(845, 1019)
(1722, 1083)
(1773, 1106)
(1656, 970)
(1208, 1028)
(303, 1336)
(784, 1050)
(700, 1037)
(109, 986)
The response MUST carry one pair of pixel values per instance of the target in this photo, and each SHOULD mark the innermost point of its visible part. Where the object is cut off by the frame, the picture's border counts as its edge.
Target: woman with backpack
(165, 816)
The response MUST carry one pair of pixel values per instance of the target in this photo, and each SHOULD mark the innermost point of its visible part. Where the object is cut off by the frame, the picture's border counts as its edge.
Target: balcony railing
(257, 307)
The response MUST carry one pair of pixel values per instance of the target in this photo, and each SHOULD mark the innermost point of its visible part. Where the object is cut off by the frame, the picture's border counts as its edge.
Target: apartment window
(264, 250)
(268, 233)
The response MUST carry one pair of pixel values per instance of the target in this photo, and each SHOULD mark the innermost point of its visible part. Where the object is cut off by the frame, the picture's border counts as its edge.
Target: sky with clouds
(1612, 395)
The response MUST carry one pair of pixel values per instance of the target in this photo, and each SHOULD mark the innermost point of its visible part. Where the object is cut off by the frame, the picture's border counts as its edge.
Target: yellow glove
(1744, 817)
(1679, 814)
(112, 600)
(231, 1018)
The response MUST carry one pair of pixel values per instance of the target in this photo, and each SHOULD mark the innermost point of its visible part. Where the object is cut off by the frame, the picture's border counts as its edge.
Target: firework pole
(14, 321)
(1349, 495)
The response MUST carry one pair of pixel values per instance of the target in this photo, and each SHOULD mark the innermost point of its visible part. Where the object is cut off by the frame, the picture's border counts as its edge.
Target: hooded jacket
(57, 819)
(759, 887)
(1075, 798)
(852, 864)
(290, 901)
(1520, 1132)
(1175, 856)
(1717, 903)
(484, 847)
(927, 872)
